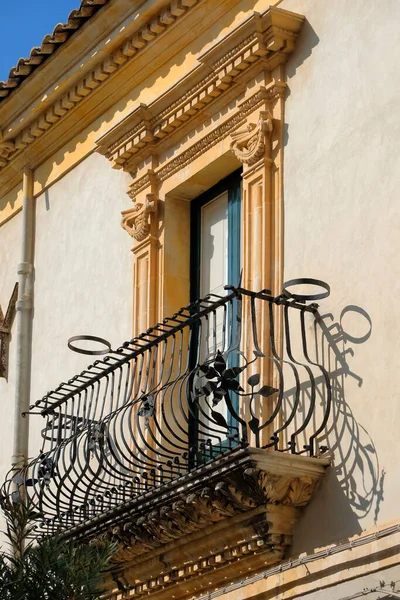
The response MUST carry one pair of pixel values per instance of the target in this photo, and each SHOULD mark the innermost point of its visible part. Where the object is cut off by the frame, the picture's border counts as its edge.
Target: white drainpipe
(24, 308)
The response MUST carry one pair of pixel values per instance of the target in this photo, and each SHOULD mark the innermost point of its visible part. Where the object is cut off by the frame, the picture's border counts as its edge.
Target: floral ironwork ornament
(216, 380)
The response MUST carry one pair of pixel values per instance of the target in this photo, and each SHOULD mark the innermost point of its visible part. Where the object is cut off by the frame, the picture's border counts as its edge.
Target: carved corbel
(287, 490)
(6, 147)
(249, 144)
(137, 220)
(240, 492)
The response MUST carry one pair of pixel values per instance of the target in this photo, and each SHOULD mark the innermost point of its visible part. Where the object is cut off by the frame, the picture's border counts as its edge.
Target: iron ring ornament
(89, 338)
(306, 297)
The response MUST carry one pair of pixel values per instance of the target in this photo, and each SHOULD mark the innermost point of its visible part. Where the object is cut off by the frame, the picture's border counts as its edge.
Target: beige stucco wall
(83, 272)
(341, 223)
(10, 251)
(342, 218)
(361, 587)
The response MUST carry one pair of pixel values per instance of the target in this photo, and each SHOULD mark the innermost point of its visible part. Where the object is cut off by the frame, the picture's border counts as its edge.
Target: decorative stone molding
(294, 491)
(146, 181)
(5, 331)
(262, 96)
(136, 220)
(249, 144)
(260, 42)
(238, 76)
(241, 507)
(242, 491)
(6, 148)
(191, 512)
(167, 17)
(268, 549)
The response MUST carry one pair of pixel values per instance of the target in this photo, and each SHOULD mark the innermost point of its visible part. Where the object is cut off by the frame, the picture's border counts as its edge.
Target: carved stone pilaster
(250, 144)
(137, 220)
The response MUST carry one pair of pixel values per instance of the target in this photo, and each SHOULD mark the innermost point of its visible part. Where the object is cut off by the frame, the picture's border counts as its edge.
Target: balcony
(193, 445)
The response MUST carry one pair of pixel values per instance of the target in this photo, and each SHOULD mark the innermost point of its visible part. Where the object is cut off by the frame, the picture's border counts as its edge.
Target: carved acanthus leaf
(241, 492)
(275, 487)
(136, 220)
(300, 491)
(249, 144)
(251, 504)
(293, 491)
(197, 510)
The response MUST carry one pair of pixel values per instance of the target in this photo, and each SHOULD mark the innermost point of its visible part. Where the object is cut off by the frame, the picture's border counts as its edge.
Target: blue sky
(24, 23)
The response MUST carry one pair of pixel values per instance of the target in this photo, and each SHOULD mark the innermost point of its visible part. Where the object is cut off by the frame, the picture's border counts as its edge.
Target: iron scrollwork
(202, 383)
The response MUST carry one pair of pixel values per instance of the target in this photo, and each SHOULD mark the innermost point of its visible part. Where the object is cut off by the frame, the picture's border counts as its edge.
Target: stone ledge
(242, 507)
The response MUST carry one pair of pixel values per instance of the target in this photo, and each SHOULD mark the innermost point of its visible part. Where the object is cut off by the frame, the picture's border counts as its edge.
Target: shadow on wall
(353, 487)
(305, 43)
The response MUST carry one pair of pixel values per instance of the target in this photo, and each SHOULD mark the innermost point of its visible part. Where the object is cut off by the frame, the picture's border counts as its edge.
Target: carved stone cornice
(96, 77)
(249, 144)
(190, 514)
(136, 220)
(261, 42)
(262, 96)
(240, 507)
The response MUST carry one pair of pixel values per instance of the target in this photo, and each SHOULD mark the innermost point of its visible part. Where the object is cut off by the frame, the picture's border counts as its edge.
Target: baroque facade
(245, 445)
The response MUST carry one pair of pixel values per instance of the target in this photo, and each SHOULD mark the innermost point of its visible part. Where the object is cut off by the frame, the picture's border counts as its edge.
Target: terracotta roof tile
(50, 43)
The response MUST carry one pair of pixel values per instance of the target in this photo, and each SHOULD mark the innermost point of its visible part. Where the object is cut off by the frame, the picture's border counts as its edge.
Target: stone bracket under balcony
(241, 508)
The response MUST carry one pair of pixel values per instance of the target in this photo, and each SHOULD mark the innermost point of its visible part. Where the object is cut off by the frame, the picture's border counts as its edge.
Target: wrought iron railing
(221, 373)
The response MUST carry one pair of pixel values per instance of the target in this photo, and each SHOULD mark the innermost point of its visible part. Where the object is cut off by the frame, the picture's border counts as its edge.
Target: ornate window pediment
(261, 43)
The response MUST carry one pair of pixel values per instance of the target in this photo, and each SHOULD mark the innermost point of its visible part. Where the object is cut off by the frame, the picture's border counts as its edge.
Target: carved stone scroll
(136, 220)
(249, 144)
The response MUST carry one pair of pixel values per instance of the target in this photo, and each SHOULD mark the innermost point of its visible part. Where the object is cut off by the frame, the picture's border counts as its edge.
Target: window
(215, 238)
(215, 263)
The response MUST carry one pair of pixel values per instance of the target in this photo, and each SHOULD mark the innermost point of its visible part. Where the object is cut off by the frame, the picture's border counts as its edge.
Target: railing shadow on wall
(355, 466)
(356, 459)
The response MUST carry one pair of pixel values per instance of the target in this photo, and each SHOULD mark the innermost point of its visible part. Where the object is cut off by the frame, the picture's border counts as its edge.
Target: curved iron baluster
(325, 375)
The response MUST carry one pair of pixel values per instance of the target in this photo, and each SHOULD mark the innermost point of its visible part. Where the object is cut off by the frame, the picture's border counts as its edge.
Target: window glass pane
(214, 246)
